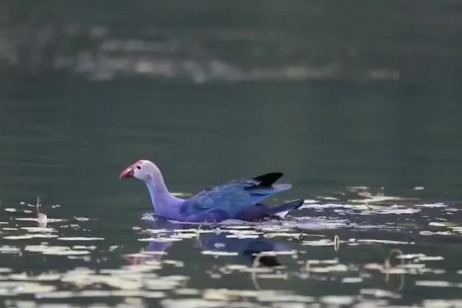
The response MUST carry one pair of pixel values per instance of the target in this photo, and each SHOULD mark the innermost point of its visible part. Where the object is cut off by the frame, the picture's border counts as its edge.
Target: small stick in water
(41, 217)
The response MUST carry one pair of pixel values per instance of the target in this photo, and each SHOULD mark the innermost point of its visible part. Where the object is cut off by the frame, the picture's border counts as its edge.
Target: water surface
(360, 110)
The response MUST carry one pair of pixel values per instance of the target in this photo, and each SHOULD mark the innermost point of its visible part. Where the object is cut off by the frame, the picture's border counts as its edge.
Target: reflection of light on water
(41, 217)
(96, 52)
(437, 283)
(314, 258)
(55, 250)
(9, 250)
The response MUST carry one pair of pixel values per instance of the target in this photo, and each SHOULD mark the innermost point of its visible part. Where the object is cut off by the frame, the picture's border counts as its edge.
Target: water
(358, 103)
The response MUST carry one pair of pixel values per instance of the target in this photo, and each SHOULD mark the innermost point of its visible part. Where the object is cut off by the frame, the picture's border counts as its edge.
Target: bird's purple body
(238, 199)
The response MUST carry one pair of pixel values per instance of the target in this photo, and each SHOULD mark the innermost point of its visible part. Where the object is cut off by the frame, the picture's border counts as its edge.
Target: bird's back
(233, 197)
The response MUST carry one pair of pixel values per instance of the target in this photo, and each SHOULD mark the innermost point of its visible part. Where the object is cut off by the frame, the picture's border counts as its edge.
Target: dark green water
(336, 94)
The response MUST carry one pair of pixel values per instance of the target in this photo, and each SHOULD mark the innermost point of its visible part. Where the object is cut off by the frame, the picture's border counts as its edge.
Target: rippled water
(375, 250)
(358, 103)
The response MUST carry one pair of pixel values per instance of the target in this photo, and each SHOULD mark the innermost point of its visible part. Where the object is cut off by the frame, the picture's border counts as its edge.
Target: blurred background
(333, 93)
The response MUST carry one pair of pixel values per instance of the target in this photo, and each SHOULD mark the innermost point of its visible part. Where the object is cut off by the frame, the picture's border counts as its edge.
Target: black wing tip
(268, 179)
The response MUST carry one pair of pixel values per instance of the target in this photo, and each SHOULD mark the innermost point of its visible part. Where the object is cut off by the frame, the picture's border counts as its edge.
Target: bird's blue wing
(231, 198)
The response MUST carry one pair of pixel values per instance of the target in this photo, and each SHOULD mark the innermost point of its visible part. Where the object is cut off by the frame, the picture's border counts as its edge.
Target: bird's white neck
(164, 203)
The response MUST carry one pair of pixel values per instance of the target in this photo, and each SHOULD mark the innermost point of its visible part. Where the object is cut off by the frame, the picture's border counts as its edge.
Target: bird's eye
(138, 167)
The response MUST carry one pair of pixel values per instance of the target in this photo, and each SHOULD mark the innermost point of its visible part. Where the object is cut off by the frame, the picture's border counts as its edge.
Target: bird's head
(142, 170)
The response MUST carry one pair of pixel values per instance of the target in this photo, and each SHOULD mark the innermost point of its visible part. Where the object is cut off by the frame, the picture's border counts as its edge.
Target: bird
(237, 199)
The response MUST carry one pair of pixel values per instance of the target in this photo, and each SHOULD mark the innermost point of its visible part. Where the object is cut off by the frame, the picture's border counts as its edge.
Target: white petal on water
(442, 303)
(328, 269)
(85, 258)
(9, 249)
(357, 188)
(11, 288)
(146, 254)
(324, 206)
(145, 267)
(28, 236)
(326, 198)
(186, 235)
(41, 277)
(81, 238)
(283, 276)
(410, 256)
(4, 270)
(437, 271)
(247, 232)
(317, 243)
(397, 211)
(153, 294)
(279, 297)
(239, 227)
(174, 263)
(237, 267)
(242, 236)
(126, 282)
(433, 283)
(337, 300)
(282, 234)
(190, 303)
(35, 219)
(432, 205)
(380, 293)
(431, 258)
(457, 229)
(222, 295)
(352, 279)
(219, 253)
(325, 261)
(159, 239)
(375, 241)
(187, 291)
(104, 293)
(84, 247)
(55, 250)
(156, 231)
(57, 294)
(426, 232)
(437, 224)
(38, 229)
(164, 283)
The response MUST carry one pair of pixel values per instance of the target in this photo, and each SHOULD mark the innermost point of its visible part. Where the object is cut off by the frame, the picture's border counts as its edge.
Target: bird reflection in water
(255, 251)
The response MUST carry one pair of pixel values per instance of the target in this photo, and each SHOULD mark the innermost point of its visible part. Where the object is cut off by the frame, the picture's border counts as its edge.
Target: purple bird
(238, 199)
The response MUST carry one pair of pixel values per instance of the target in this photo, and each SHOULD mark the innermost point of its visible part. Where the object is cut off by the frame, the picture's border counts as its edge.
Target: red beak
(127, 173)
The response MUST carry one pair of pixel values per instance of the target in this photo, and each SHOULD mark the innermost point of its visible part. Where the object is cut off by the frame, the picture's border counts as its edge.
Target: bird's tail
(283, 209)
